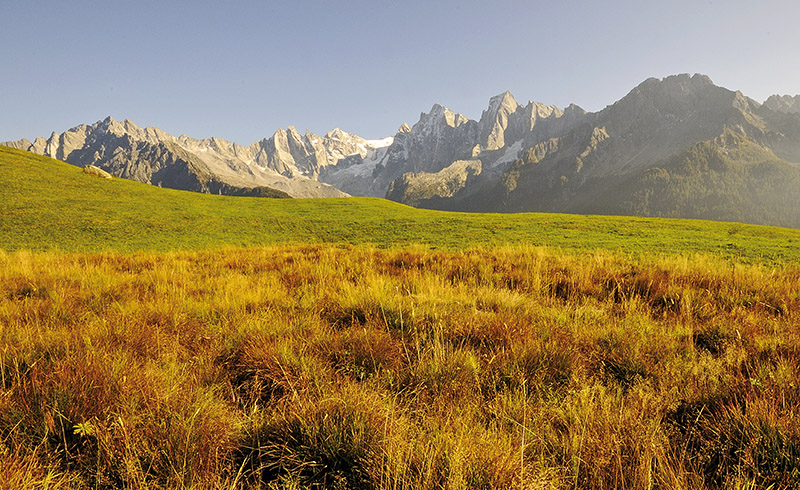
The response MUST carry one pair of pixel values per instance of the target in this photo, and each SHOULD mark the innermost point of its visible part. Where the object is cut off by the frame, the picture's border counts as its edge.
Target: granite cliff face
(413, 188)
(439, 138)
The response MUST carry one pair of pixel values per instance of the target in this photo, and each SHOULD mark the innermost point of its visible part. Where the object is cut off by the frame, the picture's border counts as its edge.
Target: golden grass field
(333, 366)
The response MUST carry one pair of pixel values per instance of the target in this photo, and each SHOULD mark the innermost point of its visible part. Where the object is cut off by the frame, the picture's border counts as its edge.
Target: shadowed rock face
(438, 139)
(417, 188)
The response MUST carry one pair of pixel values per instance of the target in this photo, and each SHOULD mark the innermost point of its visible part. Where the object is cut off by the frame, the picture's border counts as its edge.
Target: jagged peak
(104, 124)
(739, 97)
(340, 135)
(783, 103)
(538, 104)
(436, 110)
(700, 78)
(216, 143)
(784, 98)
(404, 128)
(125, 125)
(336, 133)
(502, 97)
(293, 133)
(666, 92)
(438, 113)
(683, 80)
(502, 101)
(542, 110)
(129, 126)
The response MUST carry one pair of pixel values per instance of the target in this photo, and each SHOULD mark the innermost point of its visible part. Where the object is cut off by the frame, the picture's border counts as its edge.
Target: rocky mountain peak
(574, 108)
(784, 103)
(504, 102)
(340, 144)
(673, 86)
(441, 115)
(436, 110)
(744, 103)
(540, 110)
(669, 101)
(126, 127)
(296, 141)
(495, 120)
(337, 134)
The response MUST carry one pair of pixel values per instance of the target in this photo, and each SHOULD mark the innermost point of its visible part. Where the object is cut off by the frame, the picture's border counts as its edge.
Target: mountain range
(674, 147)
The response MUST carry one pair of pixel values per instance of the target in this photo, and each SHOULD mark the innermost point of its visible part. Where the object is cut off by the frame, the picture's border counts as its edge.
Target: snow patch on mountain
(510, 154)
(381, 143)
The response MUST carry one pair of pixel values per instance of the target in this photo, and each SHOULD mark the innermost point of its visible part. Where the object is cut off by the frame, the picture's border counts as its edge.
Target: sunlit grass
(355, 367)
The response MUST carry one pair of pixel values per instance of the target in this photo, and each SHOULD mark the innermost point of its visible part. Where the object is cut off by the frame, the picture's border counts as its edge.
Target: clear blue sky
(240, 70)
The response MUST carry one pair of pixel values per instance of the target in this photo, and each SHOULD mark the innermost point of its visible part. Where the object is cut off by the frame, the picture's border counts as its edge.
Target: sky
(240, 70)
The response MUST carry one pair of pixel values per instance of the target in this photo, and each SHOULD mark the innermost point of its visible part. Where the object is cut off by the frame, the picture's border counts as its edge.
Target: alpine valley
(676, 147)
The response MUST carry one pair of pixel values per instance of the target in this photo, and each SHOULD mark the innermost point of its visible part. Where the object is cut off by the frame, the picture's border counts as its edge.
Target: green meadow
(51, 205)
(152, 338)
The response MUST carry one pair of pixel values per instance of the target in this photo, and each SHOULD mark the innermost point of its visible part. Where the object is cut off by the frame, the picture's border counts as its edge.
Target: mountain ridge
(515, 157)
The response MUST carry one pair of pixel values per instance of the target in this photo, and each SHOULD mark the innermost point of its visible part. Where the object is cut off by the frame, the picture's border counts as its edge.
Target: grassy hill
(51, 205)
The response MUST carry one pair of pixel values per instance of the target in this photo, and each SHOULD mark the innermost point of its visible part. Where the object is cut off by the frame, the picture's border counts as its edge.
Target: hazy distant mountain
(783, 103)
(680, 146)
(608, 163)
